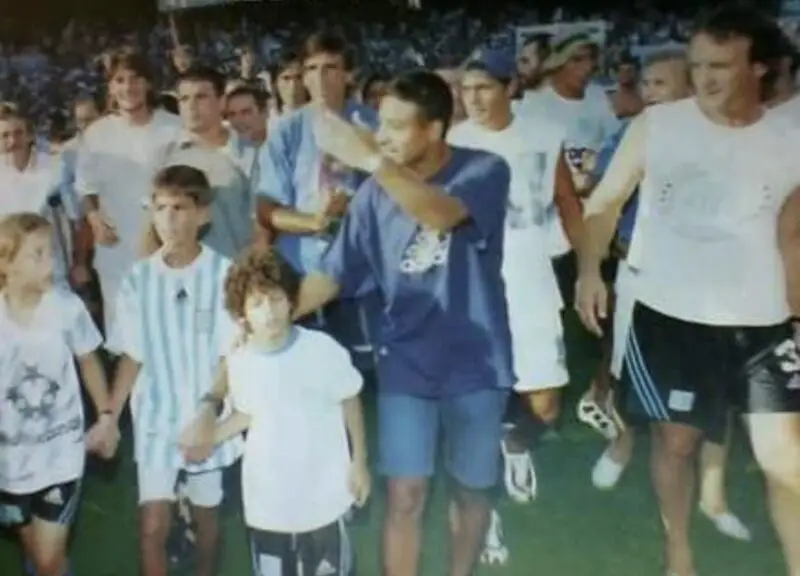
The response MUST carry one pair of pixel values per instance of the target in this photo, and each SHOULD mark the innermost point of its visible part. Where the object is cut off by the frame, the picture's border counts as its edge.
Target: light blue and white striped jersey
(173, 322)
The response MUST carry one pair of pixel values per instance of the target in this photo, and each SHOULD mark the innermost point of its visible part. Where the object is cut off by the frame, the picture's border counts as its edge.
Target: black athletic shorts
(566, 270)
(323, 552)
(57, 504)
(694, 374)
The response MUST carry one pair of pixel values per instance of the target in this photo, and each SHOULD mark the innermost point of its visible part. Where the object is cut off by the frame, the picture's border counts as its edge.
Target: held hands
(350, 144)
(196, 442)
(103, 229)
(103, 437)
(359, 482)
(591, 301)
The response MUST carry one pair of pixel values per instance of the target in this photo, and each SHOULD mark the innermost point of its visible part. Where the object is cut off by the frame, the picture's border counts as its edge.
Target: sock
(29, 570)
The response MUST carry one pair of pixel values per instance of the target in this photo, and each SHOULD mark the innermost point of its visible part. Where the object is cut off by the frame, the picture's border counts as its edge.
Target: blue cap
(496, 63)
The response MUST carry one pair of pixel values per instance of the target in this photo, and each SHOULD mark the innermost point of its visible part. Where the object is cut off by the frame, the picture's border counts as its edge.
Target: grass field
(571, 530)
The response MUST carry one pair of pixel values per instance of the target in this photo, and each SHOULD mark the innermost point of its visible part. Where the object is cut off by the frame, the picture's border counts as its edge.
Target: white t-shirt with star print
(41, 415)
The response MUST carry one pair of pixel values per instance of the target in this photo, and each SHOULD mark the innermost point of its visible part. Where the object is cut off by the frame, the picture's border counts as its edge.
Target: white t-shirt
(587, 123)
(41, 415)
(705, 243)
(29, 190)
(532, 151)
(296, 457)
(117, 161)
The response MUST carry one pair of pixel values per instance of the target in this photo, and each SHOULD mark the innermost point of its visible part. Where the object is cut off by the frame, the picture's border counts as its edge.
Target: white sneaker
(729, 525)
(606, 472)
(494, 548)
(519, 475)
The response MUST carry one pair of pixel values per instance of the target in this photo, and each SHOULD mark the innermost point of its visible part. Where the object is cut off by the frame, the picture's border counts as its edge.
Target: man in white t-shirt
(539, 178)
(30, 181)
(717, 273)
(118, 158)
(584, 111)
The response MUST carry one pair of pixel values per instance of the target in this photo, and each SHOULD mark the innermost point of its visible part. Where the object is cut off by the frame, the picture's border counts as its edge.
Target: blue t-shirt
(628, 218)
(444, 325)
(289, 171)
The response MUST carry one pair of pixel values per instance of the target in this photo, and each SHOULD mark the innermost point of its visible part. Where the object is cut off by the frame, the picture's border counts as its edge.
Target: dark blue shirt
(290, 166)
(444, 325)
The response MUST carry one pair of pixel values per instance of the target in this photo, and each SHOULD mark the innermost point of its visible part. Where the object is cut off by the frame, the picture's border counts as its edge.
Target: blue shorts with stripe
(57, 504)
(695, 374)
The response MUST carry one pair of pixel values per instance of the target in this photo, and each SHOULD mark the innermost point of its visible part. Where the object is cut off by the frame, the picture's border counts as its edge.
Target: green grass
(571, 530)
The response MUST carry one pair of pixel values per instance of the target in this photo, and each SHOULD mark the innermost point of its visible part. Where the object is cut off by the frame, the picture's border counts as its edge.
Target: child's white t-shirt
(296, 458)
(41, 414)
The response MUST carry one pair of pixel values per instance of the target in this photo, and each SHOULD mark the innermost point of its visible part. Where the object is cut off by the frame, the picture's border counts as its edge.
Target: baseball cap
(564, 47)
(496, 63)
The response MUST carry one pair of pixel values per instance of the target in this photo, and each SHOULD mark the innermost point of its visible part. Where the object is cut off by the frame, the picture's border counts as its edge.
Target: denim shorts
(471, 430)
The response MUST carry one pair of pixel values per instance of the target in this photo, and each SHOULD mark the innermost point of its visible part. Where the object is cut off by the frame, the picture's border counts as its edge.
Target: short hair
(366, 84)
(326, 42)
(13, 231)
(259, 269)
(201, 73)
(259, 96)
(665, 55)
(736, 21)
(542, 41)
(12, 111)
(627, 59)
(168, 101)
(428, 92)
(130, 60)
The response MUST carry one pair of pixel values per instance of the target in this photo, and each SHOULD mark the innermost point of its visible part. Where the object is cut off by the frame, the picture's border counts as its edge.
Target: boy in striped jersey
(170, 331)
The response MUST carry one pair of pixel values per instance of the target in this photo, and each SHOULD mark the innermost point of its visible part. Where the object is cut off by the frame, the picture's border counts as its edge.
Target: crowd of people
(230, 271)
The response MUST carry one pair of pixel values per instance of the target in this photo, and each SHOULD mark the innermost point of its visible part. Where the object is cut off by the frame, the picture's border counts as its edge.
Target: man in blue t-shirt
(426, 233)
(302, 192)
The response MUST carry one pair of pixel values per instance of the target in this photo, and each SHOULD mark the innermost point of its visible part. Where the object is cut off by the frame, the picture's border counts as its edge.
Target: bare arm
(603, 207)
(568, 204)
(789, 244)
(94, 379)
(429, 205)
(354, 421)
(316, 290)
(273, 216)
(124, 380)
(232, 426)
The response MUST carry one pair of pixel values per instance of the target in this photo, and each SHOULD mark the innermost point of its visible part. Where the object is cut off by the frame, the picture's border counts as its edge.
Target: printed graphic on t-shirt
(526, 203)
(37, 407)
(428, 249)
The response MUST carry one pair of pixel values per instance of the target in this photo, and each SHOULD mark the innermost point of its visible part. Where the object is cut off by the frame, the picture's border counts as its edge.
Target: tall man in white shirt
(539, 177)
(118, 158)
(717, 273)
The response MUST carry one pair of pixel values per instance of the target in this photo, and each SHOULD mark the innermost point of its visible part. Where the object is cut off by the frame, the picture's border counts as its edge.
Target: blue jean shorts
(470, 424)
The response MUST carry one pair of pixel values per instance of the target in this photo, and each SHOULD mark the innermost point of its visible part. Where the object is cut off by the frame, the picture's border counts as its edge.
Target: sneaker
(728, 524)
(519, 475)
(495, 551)
(606, 472)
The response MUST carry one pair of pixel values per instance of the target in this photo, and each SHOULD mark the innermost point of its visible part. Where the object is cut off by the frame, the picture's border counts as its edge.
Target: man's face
(245, 117)
(14, 136)
(85, 114)
(665, 81)
(579, 69)
(129, 90)
(626, 74)
(325, 78)
(722, 71)
(289, 85)
(528, 62)
(403, 135)
(199, 105)
(181, 59)
(484, 97)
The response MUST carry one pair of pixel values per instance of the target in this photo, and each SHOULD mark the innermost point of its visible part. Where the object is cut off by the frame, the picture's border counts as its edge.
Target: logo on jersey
(428, 249)
(54, 497)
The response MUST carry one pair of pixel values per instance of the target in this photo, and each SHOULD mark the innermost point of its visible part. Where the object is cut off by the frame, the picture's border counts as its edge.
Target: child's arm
(232, 426)
(197, 440)
(124, 380)
(103, 437)
(360, 481)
